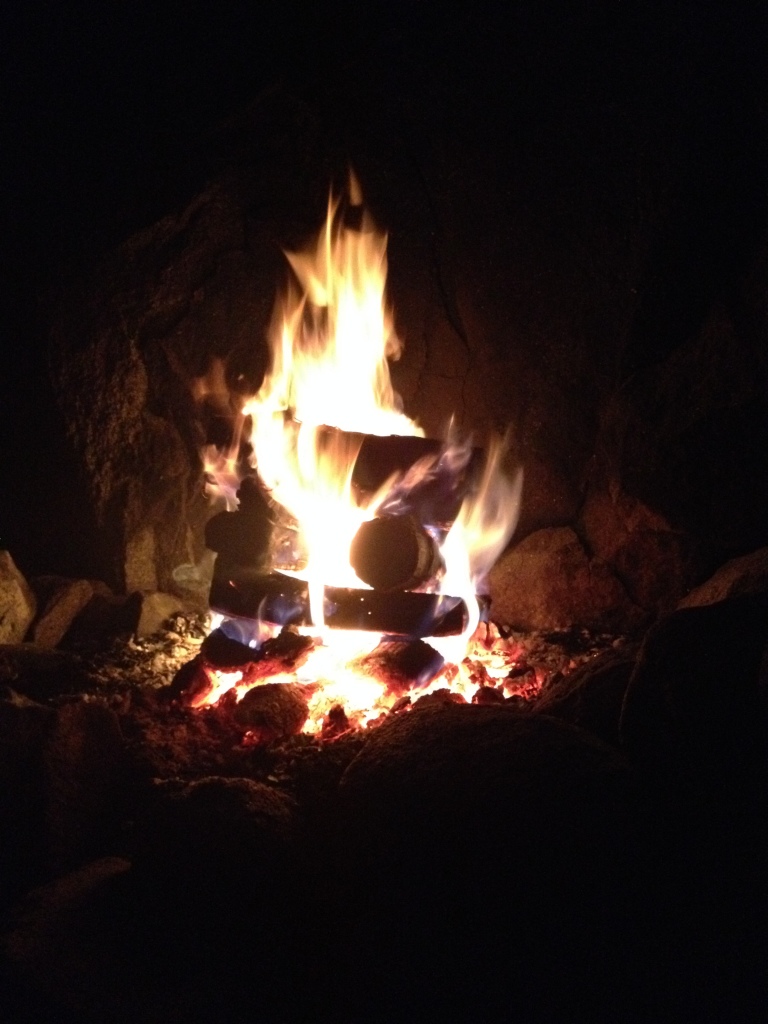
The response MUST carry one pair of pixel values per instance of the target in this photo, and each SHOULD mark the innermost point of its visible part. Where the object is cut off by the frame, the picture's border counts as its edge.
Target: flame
(331, 342)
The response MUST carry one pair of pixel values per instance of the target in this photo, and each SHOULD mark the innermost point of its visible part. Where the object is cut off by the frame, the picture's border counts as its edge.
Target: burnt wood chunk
(241, 537)
(272, 711)
(402, 664)
(394, 553)
(221, 652)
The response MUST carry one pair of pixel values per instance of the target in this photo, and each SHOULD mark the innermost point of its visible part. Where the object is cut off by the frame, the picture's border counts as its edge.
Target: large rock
(84, 777)
(514, 836)
(693, 716)
(64, 600)
(745, 575)
(592, 695)
(650, 558)
(17, 602)
(549, 582)
(222, 850)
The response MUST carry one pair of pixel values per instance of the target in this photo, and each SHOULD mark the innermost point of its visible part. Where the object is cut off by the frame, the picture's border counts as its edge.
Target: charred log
(284, 600)
(434, 492)
(271, 597)
(402, 614)
(249, 536)
(240, 538)
(394, 553)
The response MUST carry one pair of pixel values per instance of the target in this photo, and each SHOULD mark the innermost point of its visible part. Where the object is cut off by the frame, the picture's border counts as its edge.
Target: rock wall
(585, 272)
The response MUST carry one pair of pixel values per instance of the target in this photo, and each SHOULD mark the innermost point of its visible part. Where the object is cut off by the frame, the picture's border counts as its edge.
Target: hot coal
(272, 711)
(402, 665)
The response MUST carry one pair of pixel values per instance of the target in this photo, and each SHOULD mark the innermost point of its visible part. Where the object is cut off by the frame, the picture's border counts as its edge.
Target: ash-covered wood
(241, 538)
(220, 651)
(394, 553)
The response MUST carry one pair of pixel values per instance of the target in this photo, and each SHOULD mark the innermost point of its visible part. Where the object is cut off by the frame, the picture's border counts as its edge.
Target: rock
(157, 608)
(24, 727)
(272, 711)
(221, 848)
(745, 575)
(548, 582)
(17, 602)
(503, 832)
(592, 695)
(649, 558)
(66, 962)
(60, 610)
(40, 672)
(83, 764)
(693, 701)
(105, 617)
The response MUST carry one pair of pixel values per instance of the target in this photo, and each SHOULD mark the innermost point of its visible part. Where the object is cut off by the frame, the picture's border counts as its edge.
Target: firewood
(402, 613)
(436, 498)
(282, 599)
(394, 553)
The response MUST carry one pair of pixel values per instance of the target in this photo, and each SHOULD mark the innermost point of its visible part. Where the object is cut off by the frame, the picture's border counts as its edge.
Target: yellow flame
(331, 343)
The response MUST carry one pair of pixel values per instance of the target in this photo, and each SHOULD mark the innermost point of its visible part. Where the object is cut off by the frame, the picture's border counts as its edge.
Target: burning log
(403, 613)
(284, 600)
(435, 496)
(268, 596)
(394, 553)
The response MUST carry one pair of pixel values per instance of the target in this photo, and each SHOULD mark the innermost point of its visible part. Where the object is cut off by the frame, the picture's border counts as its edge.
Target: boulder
(83, 766)
(515, 836)
(745, 575)
(63, 603)
(592, 695)
(157, 608)
(693, 714)
(223, 851)
(17, 602)
(549, 582)
(650, 558)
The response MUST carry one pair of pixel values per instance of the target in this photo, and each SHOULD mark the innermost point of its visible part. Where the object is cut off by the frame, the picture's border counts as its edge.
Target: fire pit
(343, 523)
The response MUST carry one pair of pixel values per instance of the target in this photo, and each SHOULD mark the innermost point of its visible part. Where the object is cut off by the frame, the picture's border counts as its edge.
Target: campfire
(352, 551)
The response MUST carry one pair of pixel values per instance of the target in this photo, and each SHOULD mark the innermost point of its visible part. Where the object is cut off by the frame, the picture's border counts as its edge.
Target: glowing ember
(328, 387)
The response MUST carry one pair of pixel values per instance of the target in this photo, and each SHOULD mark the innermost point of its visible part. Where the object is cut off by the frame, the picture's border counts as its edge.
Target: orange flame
(332, 339)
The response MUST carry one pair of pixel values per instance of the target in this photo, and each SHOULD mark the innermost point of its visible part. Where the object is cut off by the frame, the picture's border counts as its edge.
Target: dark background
(110, 114)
